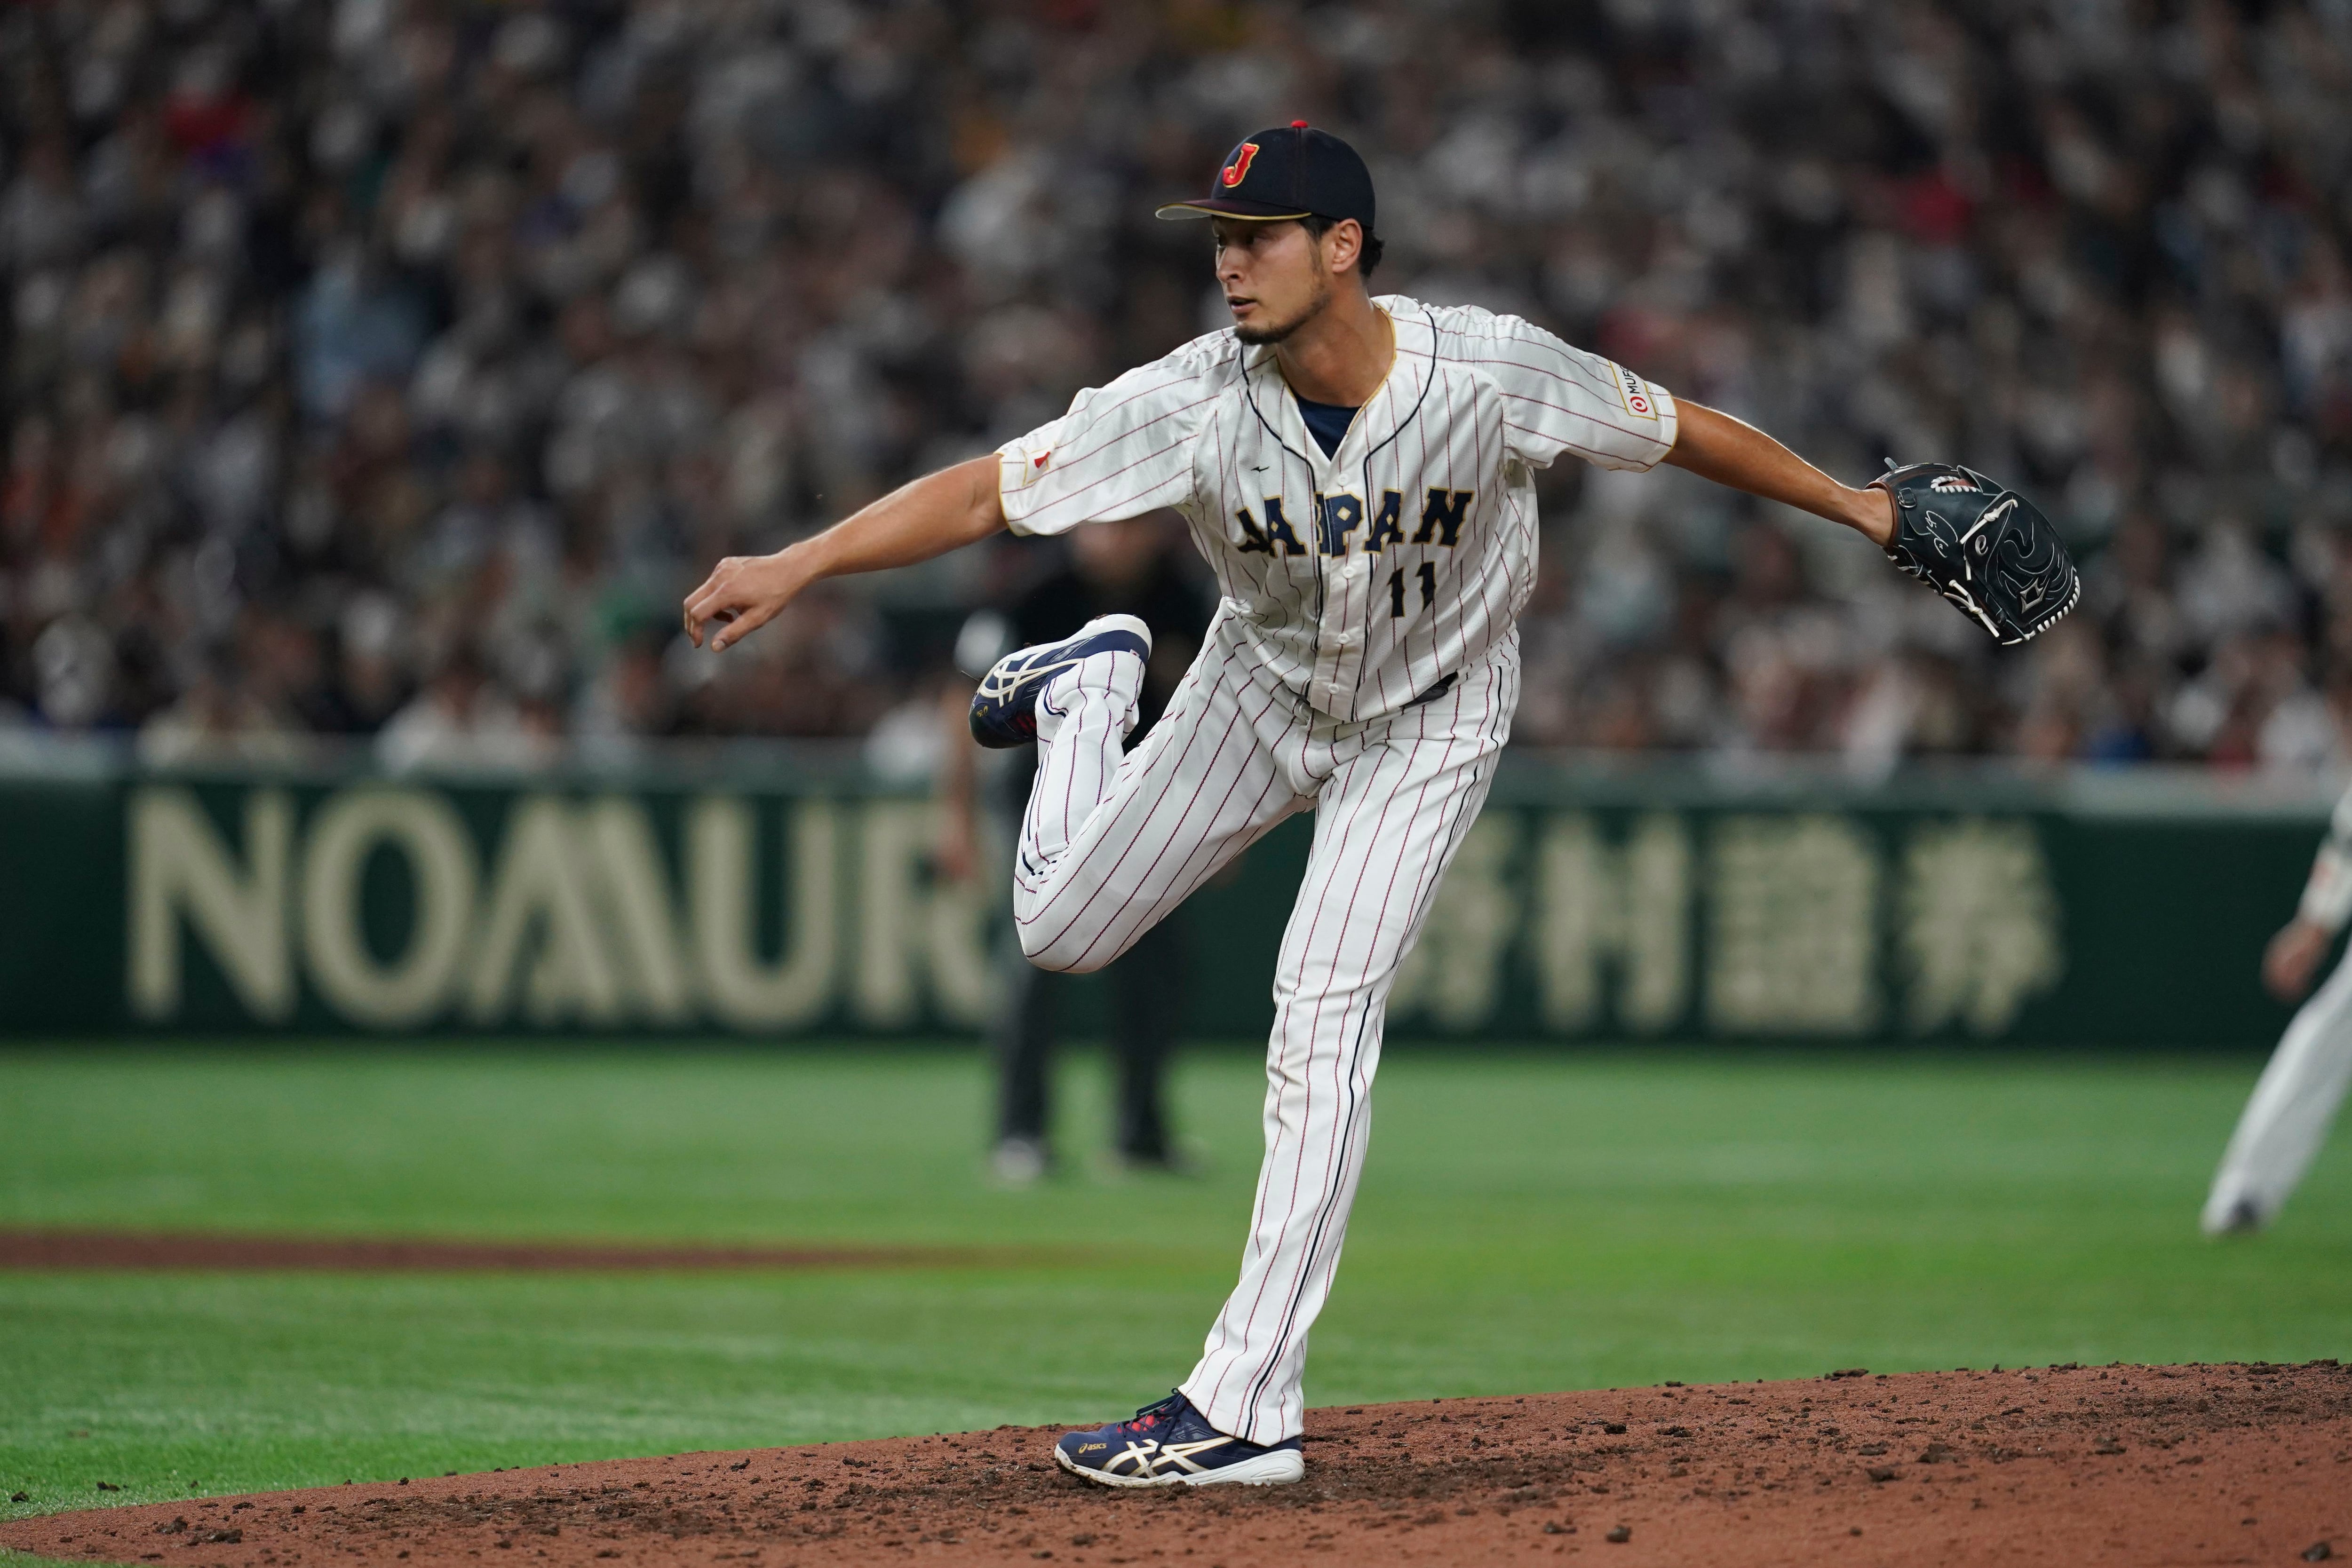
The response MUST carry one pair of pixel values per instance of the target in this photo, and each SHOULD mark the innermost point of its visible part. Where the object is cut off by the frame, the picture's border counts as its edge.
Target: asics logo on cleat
(1171, 1443)
(1009, 677)
(1153, 1458)
(1005, 705)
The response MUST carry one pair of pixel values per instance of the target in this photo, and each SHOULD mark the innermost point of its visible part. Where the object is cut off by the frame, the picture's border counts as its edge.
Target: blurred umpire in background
(1118, 567)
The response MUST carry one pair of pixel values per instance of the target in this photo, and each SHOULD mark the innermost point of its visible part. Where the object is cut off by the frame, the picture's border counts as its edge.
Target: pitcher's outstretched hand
(741, 594)
(957, 506)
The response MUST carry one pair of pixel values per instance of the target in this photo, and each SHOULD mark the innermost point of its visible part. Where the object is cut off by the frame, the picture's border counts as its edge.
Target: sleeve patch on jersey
(1640, 401)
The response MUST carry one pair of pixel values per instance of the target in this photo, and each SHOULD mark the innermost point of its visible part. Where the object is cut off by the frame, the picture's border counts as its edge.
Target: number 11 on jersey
(1427, 572)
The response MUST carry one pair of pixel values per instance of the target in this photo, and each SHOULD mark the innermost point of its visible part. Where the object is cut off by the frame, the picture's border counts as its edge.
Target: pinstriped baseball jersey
(1365, 577)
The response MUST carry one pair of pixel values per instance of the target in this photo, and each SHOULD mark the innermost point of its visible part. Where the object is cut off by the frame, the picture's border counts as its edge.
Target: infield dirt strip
(69, 1250)
(2062, 1465)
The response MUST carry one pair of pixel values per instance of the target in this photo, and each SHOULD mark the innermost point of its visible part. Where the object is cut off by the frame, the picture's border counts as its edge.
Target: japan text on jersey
(1366, 577)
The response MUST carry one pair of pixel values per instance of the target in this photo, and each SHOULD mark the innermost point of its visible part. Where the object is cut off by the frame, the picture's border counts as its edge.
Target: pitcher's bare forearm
(1714, 445)
(931, 515)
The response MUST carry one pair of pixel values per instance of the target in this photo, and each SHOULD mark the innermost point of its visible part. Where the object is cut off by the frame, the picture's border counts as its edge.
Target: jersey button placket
(1344, 578)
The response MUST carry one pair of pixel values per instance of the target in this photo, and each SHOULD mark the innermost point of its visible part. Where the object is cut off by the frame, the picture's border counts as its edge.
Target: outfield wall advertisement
(1585, 905)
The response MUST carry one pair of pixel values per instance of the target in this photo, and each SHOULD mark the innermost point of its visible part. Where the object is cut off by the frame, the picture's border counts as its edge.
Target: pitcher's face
(1274, 275)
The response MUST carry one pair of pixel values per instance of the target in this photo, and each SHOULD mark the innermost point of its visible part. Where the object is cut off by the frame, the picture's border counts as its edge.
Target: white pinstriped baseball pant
(2286, 1121)
(1113, 842)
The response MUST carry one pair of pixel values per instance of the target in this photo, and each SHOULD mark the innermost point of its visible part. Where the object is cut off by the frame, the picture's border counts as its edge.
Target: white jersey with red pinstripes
(1366, 577)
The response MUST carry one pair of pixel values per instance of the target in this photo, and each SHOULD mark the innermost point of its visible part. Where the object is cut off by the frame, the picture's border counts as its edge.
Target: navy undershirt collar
(1325, 421)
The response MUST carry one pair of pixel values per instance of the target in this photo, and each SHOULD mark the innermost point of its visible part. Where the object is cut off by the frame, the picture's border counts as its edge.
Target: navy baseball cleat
(1005, 708)
(1170, 1444)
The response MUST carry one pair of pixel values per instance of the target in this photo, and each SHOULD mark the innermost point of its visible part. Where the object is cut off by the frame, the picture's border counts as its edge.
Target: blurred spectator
(339, 335)
(463, 720)
(215, 719)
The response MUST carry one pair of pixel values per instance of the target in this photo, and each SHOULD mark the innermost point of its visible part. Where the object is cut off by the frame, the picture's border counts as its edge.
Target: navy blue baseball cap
(1291, 172)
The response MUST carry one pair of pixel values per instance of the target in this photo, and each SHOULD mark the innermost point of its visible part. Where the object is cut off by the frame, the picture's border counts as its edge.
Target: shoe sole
(1280, 1468)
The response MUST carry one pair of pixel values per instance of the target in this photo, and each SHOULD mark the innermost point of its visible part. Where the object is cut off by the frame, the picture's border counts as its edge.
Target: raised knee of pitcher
(1061, 956)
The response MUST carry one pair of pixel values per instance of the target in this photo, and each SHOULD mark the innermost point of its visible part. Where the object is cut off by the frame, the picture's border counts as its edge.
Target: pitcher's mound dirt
(2062, 1466)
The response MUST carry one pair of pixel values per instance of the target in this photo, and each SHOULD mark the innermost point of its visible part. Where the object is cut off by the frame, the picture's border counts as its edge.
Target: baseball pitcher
(2294, 1099)
(1359, 473)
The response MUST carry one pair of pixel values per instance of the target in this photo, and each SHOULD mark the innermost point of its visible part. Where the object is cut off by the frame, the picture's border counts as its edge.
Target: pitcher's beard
(1275, 332)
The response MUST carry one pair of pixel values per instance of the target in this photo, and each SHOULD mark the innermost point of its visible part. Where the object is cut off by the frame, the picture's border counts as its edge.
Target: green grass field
(1527, 1222)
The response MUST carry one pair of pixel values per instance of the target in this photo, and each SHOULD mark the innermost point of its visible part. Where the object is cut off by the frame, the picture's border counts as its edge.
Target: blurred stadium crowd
(387, 368)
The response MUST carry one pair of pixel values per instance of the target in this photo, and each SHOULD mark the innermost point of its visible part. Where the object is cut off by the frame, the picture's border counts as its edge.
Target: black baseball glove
(1988, 549)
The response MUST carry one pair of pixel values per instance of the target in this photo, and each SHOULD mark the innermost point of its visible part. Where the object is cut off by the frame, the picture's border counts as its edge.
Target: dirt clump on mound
(2064, 1465)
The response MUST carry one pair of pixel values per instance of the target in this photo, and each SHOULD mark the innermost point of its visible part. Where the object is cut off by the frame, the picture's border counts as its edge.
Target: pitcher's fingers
(717, 613)
(698, 604)
(706, 603)
(745, 621)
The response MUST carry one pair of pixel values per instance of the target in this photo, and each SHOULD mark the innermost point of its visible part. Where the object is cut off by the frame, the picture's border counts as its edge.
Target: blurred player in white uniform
(2285, 1123)
(1359, 474)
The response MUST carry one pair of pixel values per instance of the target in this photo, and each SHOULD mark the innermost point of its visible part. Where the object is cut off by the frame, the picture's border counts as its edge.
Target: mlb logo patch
(1640, 401)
